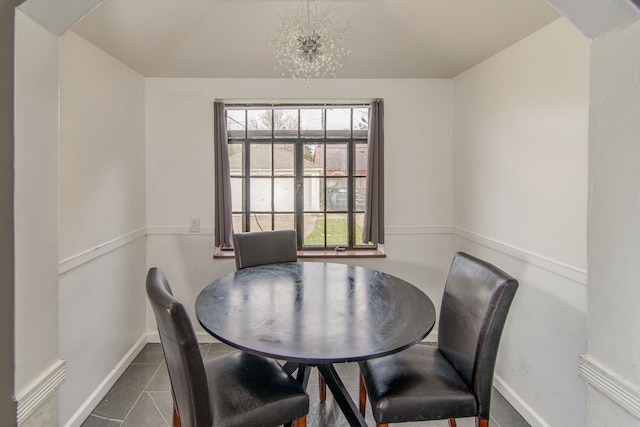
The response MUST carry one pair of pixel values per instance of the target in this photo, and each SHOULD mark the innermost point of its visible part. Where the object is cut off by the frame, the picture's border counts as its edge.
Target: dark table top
(315, 312)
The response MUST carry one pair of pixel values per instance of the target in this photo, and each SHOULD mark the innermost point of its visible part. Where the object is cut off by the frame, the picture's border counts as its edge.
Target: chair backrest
(476, 300)
(181, 352)
(265, 247)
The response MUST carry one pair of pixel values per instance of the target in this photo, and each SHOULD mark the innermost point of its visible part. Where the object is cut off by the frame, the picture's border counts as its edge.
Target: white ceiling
(387, 38)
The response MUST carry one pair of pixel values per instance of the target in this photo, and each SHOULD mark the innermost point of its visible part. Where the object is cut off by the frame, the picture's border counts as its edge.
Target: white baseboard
(98, 394)
(527, 412)
(36, 394)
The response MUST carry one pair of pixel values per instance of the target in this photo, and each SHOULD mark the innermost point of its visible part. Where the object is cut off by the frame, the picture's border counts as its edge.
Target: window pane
(362, 154)
(284, 160)
(260, 160)
(313, 229)
(314, 194)
(337, 194)
(339, 122)
(238, 223)
(360, 195)
(318, 159)
(260, 194)
(337, 160)
(260, 222)
(284, 221)
(236, 123)
(259, 123)
(284, 196)
(311, 123)
(360, 122)
(236, 164)
(337, 226)
(313, 159)
(237, 184)
(358, 223)
(285, 123)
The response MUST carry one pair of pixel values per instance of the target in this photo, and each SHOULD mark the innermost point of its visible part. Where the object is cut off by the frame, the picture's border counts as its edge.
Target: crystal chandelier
(309, 43)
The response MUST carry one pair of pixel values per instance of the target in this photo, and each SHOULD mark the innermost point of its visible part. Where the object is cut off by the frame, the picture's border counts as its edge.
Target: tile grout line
(131, 409)
(158, 408)
(153, 376)
(143, 390)
(106, 418)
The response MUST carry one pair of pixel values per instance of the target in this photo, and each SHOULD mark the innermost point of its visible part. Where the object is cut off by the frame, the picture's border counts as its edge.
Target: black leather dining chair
(265, 247)
(453, 379)
(237, 389)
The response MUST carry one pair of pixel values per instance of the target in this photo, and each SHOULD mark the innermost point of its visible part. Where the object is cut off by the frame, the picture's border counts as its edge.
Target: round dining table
(316, 314)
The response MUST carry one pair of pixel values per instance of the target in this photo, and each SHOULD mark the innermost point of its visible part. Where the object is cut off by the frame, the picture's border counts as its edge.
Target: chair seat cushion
(248, 390)
(414, 385)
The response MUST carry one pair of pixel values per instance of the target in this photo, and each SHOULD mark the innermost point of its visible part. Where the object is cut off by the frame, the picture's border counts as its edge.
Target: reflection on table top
(315, 312)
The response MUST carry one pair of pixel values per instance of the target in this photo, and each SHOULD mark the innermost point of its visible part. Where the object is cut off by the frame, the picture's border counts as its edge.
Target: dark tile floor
(142, 397)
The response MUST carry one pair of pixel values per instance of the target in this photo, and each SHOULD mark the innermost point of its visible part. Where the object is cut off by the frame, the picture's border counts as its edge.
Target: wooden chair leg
(452, 422)
(300, 422)
(480, 422)
(363, 397)
(176, 418)
(322, 388)
(382, 425)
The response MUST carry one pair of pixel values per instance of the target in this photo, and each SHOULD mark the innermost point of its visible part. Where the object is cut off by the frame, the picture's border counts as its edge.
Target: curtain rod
(251, 105)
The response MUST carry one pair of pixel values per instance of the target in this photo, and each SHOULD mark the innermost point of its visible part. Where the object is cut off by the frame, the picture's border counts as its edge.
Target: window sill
(352, 253)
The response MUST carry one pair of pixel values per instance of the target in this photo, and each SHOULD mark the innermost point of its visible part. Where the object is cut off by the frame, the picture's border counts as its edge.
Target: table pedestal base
(336, 386)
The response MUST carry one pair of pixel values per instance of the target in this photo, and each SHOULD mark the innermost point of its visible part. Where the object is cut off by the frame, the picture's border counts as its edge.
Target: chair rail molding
(77, 260)
(178, 230)
(611, 385)
(40, 390)
(574, 274)
(389, 230)
(396, 230)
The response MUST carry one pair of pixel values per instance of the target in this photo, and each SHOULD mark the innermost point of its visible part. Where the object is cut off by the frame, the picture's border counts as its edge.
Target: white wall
(520, 132)
(180, 173)
(611, 365)
(520, 201)
(101, 147)
(36, 208)
(102, 222)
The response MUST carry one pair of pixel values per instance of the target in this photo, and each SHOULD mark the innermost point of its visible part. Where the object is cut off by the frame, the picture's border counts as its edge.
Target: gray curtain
(223, 212)
(373, 229)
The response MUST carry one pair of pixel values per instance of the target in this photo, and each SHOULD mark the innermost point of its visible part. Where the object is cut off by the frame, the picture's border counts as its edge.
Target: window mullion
(273, 173)
(324, 156)
(299, 191)
(299, 184)
(352, 188)
(247, 184)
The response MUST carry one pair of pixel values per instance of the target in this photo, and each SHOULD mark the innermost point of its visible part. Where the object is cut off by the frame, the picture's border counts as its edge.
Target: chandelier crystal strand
(310, 49)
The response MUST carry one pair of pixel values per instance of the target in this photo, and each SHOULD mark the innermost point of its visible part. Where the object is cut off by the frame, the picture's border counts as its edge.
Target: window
(302, 167)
